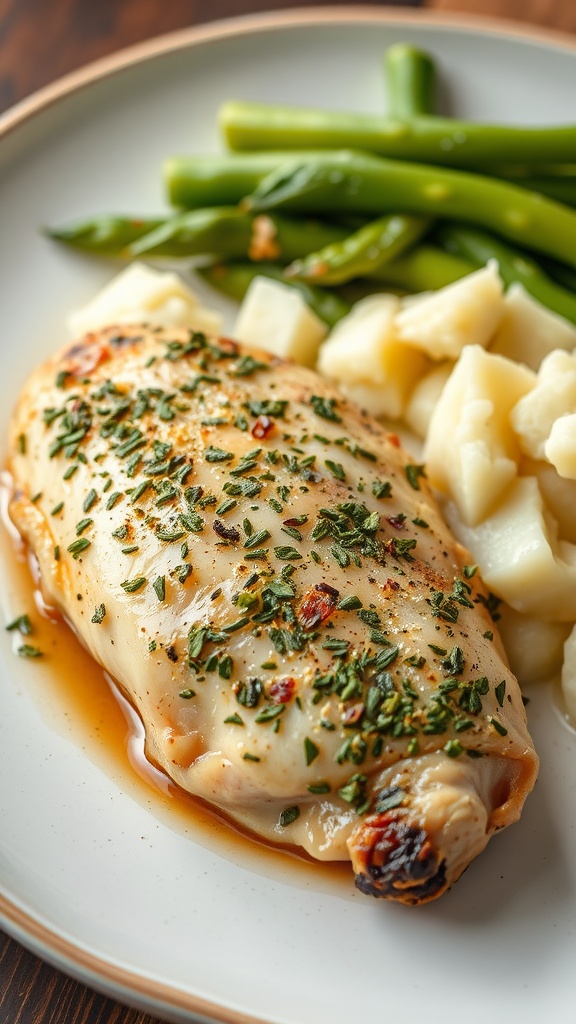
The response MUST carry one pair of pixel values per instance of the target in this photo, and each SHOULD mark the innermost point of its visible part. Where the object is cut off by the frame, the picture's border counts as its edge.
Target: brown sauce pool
(80, 700)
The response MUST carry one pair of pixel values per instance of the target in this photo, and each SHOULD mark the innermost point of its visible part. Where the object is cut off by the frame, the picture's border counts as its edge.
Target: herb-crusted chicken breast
(266, 575)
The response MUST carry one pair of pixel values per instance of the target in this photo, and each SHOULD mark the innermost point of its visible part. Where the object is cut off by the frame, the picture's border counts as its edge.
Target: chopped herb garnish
(99, 614)
(257, 538)
(453, 748)
(311, 751)
(413, 475)
(349, 604)
(181, 572)
(131, 586)
(247, 366)
(287, 554)
(226, 506)
(288, 815)
(212, 454)
(319, 787)
(267, 407)
(22, 624)
(381, 488)
(28, 651)
(336, 469)
(159, 586)
(269, 713)
(78, 546)
(500, 691)
(89, 500)
(112, 500)
(325, 408)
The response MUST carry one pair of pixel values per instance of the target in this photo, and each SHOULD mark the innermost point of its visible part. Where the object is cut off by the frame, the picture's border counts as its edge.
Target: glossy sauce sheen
(102, 722)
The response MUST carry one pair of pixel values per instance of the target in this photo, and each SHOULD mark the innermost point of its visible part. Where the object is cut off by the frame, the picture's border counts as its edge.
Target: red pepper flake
(226, 532)
(317, 605)
(263, 427)
(282, 690)
(394, 439)
(392, 584)
(397, 521)
(353, 714)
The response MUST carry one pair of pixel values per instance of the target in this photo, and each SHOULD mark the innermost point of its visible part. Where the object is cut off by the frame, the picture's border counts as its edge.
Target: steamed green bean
(363, 252)
(346, 181)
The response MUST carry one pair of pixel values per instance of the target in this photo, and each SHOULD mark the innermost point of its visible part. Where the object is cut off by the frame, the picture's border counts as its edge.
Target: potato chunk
(464, 313)
(554, 395)
(528, 330)
(560, 448)
(141, 294)
(364, 356)
(520, 556)
(471, 452)
(273, 316)
(535, 648)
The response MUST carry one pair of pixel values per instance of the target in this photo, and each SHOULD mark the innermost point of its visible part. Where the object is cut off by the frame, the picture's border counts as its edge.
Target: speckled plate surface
(99, 875)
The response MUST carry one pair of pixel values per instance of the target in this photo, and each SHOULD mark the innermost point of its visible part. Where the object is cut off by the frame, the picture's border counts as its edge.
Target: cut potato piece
(559, 495)
(424, 398)
(140, 294)
(471, 453)
(364, 356)
(274, 316)
(520, 556)
(464, 313)
(535, 648)
(554, 395)
(528, 330)
(560, 448)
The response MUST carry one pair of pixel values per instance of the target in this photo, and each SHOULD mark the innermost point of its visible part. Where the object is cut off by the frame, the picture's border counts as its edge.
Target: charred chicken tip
(395, 860)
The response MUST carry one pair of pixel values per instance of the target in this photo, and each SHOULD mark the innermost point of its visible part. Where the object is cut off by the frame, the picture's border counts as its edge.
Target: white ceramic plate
(97, 874)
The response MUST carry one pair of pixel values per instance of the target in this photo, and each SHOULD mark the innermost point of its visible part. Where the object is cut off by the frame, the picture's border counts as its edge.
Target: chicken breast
(266, 575)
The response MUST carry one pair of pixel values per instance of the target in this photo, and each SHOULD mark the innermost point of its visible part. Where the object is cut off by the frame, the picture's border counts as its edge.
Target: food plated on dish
(266, 575)
(480, 897)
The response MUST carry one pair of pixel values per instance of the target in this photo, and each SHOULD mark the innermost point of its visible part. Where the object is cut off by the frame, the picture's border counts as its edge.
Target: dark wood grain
(40, 40)
(32, 992)
(559, 14)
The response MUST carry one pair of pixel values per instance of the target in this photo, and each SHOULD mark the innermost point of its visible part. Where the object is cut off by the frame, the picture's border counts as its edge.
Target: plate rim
(195, 35)
(118, 982)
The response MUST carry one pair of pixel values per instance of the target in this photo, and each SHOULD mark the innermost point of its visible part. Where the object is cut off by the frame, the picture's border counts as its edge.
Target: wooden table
(39, 41)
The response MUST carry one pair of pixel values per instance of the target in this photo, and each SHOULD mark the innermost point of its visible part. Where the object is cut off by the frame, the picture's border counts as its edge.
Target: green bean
(424, 268)
(348, 182)
(514, 266)
(234, 279)
(106, 235)
(230, 234)
(362, 252)
(410, 80)
(434, 140)
(561, 187)
(194, 181)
